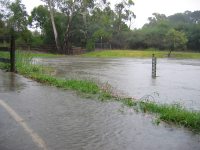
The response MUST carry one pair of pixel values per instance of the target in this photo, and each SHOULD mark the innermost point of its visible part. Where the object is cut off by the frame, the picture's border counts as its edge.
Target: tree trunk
(54, 26)
(169, 54)
(67, 46)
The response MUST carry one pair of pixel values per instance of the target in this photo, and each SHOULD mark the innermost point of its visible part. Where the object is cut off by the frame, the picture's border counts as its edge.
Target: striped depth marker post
(154, 62)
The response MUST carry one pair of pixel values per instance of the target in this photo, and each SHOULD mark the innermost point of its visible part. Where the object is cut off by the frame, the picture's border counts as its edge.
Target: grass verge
(168, 113)
(141, 54)
(173, 113)
(39, 73)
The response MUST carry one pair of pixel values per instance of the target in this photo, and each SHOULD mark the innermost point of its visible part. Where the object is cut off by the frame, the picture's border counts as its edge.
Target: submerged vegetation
(169, 113)
(173, 113)
(142, 54)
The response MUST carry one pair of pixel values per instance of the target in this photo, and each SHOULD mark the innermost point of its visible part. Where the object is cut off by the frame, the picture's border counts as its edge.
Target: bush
(90, 46)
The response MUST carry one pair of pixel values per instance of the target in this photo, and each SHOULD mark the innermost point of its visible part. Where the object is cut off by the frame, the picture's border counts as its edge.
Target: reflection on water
(12, 84)
(8, 82)
(177, 80)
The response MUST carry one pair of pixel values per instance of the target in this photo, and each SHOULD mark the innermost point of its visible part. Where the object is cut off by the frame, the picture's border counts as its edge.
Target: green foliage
(123, 12)
(90, 46)
(156, 20)
(161, 31)
(37, 39)
(129, 102)
(193, 34)
(176, 40)
(77, 21)
(18, 20)
(175, 114)
(40, 19)
(101, 33)
(15, 21)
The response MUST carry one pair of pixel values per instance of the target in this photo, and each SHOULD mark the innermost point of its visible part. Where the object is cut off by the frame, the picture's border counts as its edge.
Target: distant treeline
(180, 31)
(68, 24)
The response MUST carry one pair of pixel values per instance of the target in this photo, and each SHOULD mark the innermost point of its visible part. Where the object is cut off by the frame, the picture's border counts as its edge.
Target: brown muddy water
(66, 121)
(177, 80)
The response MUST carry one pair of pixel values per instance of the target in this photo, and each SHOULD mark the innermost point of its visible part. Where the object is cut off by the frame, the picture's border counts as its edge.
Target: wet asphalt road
(64, 121)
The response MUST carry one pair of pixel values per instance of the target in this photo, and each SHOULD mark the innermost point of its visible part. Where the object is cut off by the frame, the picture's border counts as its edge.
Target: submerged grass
(173, 113)
(83, 86)
(168, 113)
(141, 54)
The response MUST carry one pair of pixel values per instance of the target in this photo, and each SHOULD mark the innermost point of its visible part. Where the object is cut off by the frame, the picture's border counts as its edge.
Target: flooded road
(65, 121)
(177, 81)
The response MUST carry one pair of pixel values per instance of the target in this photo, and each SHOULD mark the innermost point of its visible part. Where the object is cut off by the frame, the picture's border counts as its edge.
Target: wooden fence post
(12, 54)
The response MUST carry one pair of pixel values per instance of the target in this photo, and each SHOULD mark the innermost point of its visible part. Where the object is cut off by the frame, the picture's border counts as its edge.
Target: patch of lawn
(141, 54)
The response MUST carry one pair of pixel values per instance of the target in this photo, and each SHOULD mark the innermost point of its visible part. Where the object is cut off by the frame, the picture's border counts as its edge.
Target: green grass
(83, 86)
(173, 113)
(28, 55)
(39, 74)
(141, 54)
(168, 113)
(176, 114)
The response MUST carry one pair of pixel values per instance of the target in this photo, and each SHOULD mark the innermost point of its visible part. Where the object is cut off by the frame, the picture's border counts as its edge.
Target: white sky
(144, 8)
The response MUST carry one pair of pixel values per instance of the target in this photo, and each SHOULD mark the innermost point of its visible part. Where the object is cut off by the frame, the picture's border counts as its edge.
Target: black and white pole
(154, 62)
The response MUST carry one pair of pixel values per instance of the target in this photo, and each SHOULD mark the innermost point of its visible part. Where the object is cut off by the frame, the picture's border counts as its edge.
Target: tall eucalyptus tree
(51, 5)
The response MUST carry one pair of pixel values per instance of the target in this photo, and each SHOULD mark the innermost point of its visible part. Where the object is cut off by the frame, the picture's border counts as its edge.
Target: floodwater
(177, 81)
(65, 121)
(8, 82)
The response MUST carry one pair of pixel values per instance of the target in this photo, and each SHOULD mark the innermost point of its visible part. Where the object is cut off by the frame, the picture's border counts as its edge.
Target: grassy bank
(141, 54)
(168, 113)
(173, 113)
(40, 73)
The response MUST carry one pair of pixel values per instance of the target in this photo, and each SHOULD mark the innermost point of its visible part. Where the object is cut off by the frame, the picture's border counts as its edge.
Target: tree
(100, 24)
(2, 25)
(40, 19)
(4, 10)
(51, 4)
(73, 9)
(157, 18)
(175, 40)
(193, 35)
(195, 17)
(18, 19)
(124, 13)
(155, 34)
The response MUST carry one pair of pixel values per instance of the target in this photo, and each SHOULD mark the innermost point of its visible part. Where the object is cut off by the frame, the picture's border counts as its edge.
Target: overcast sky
(144, 8)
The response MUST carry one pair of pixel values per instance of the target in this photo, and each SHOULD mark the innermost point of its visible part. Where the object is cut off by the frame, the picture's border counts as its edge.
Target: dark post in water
(154, 62)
